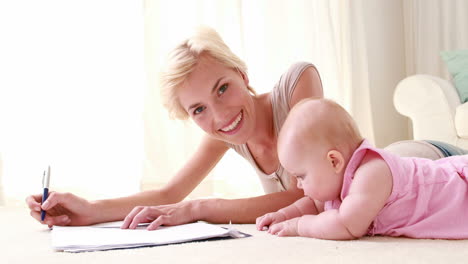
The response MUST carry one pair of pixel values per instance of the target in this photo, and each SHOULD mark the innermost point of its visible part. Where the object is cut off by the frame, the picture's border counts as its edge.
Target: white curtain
(2, 196)
(374, 57)
(432, 26)
(71, 96)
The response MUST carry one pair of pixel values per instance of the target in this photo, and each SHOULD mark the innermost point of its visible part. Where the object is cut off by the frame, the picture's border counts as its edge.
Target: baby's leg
(415, 148)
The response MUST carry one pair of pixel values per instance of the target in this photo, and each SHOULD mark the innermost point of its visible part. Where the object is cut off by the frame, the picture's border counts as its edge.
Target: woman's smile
(234, 125)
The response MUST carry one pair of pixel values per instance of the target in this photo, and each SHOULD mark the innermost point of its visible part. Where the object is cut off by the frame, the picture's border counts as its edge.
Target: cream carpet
(25, 241)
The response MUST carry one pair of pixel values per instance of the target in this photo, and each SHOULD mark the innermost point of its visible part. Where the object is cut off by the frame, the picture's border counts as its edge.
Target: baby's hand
(263, 222)
(286, 228)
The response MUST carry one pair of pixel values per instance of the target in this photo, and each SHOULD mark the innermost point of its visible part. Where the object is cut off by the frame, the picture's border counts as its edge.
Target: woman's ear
(336, 160)
(244, 77)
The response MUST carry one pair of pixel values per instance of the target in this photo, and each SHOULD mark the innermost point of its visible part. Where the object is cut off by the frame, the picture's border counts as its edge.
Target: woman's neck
(264, 126)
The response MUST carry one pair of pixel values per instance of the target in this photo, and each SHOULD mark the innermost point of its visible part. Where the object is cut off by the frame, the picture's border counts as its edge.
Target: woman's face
(217, 99)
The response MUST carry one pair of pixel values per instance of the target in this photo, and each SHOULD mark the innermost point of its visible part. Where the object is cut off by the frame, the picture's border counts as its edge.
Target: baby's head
(315, 144)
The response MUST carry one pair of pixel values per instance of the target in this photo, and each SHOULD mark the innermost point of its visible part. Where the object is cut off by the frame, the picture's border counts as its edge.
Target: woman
(205, 81)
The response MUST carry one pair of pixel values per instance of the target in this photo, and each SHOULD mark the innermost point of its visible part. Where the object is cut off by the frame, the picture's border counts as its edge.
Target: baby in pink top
(353, 189)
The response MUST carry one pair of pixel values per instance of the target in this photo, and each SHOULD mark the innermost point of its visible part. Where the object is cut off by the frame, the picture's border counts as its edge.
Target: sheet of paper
(110, 236)
(116, 224)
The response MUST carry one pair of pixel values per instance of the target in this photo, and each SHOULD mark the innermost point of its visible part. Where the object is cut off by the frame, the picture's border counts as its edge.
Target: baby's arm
(369, 191)
(301, 207)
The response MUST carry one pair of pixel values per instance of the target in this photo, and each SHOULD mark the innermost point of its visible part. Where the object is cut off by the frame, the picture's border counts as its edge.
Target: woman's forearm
(212, 210)
(242, 211)
(116, 209)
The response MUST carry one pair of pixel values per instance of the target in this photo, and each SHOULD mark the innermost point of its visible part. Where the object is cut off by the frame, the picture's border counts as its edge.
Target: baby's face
(309, 165)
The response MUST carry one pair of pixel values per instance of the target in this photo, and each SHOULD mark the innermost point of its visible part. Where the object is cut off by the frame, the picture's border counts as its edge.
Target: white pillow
(461, 120)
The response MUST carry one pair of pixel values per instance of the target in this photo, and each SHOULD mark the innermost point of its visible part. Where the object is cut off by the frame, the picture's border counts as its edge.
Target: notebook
(109, 236)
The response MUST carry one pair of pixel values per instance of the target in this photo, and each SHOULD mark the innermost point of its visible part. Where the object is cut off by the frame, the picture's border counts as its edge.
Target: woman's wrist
(106, 211)
(200, 209)
(98, 211)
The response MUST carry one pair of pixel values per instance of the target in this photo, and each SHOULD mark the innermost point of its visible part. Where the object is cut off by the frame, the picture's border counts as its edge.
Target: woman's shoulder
(285, 87)
(290, 77)
(295, 70)
(299, 65)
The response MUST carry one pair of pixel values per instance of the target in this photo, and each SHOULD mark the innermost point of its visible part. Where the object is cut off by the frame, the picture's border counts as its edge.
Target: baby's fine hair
(330, 122)
(183, 59)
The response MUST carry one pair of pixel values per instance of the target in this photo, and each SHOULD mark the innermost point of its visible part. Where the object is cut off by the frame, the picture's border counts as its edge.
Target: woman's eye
(198, 110)
(222, 89)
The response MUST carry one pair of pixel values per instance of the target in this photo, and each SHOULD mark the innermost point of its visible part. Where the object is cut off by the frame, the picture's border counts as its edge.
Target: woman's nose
(219, 112)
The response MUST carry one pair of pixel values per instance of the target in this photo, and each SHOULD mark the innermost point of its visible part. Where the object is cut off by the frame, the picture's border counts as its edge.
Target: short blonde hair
(183, 59)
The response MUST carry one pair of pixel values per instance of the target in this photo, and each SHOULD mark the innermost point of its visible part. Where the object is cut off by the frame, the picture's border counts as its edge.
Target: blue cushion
(457, 65)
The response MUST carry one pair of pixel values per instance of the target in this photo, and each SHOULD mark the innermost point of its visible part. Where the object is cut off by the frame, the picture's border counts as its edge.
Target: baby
(353, 189)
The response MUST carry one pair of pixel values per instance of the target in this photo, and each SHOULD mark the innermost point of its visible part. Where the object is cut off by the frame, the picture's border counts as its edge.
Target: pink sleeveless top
(429, 199)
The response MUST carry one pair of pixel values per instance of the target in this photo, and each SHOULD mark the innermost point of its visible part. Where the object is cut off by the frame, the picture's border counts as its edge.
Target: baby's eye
(198, 110)
(222, 89)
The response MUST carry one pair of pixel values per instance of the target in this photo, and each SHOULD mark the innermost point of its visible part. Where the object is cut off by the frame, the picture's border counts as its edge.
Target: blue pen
(45, 186)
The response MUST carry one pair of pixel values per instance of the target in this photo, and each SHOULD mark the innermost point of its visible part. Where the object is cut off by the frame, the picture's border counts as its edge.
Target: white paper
(116, 224)
(110, 236)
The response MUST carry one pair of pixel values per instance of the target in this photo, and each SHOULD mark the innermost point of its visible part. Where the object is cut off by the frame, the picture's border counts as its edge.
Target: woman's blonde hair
(183, 59)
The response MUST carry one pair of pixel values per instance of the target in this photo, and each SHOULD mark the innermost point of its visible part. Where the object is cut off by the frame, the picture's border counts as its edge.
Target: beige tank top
(280, 98)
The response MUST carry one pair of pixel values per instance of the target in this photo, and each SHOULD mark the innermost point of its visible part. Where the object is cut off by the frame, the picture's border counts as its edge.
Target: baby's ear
(336, 160)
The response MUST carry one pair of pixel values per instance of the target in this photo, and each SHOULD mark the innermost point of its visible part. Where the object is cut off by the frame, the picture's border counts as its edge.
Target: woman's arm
(69, 209)
(211, 210)
(244, 210)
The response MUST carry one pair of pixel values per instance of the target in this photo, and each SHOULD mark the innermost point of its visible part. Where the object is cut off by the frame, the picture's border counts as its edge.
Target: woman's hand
(172, 214)
(61, 209)
(263, 222)
(286, 228)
